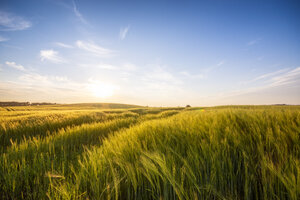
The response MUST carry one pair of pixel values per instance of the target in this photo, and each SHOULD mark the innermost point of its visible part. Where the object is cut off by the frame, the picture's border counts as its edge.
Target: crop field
(115, 151)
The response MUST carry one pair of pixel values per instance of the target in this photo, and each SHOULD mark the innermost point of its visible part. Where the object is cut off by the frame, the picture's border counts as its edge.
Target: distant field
(117, 151)
(79, 106)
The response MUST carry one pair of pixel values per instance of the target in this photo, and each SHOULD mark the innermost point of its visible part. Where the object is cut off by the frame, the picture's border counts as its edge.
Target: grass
(18, 128)
(233, 152)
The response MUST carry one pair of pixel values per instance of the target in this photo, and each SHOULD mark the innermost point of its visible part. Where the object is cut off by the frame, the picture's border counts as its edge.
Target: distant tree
(187, 106)
(14, 103)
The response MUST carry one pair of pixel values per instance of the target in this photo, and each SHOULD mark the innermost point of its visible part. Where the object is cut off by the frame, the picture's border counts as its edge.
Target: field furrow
(16, 130)
(233, 152)
(26, 167)
(218, 154)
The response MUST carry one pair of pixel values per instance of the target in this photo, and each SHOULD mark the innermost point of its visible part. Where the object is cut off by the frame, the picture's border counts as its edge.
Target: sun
(102, 90)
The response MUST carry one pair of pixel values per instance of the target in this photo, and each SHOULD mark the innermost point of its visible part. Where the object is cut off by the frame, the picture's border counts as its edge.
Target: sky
(155, 53)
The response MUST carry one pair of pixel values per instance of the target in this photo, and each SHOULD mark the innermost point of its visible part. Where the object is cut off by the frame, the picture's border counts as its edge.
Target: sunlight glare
(102, 90)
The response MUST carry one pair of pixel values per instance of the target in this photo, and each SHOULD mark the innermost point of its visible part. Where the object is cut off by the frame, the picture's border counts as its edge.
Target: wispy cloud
(160, 74)
(129, 67)
(3, 39)
(253, 42)
(34, 78)
(60, 44)
(123, 32)
(95, 49)
(212, 68)
(221, 63)
(12, 46)
(15, 66)
(272, 80)
(40, 87)
(12, 22)
(125, 67)
(107, 66)
(159, 83)
(260, 58)
(193, 76)
(78, 14)
(51, 55)
(42, 79)
(264, 76)
(22, 90)
(289, 77)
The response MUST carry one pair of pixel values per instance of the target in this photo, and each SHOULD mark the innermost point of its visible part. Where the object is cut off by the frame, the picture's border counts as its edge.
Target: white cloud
(120, 67)
(123, 32)
(60, 78)
(37, 87)
(273, 80)
(14, 65)
(260, 58)
(221, 63)
(94, 49)
(264, 76)
(212, 68)
(12, 46)
(159, 74)
(65, 87)
(11, 22)
(159, 85)
(51, 55)
(78, 14)
(193, 76)
(107, 66)
(129, 67)
(60, 44)
(123, 67)
(3, 39)
(253, 42)
(35, 78)
(289, 77)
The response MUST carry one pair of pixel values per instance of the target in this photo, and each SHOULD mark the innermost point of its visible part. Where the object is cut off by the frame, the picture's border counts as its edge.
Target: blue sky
(157, 53)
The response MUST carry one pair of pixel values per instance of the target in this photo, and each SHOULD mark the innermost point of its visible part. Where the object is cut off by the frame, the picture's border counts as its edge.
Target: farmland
(115, 151)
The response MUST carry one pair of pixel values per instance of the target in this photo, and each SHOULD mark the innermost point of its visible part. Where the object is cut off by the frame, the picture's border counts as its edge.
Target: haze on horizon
(156, 53)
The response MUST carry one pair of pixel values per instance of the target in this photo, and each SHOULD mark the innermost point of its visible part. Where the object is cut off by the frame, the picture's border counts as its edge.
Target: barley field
(115, 151)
